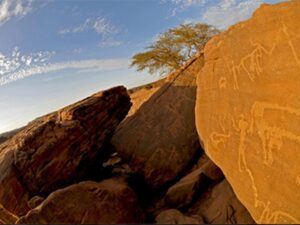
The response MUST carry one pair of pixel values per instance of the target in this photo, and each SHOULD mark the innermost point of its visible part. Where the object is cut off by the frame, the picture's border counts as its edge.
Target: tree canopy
(173, 47)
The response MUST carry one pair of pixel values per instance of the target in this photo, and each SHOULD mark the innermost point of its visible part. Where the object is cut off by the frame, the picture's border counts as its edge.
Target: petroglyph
(271, 136)
(218, 138)
(222, 83)
(241, 127)
(255, 87)
(244, 128)
(234, 76)
(269, 217)
(290, 42)
(250, 63)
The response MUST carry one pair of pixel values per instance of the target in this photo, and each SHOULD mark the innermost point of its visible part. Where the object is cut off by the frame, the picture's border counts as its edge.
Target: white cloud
(78, 50)
(186, 3)
(14, 8)
(16, 60)
(222, 14)
(109, 43)
(229, 12)
(181, 5)
(101, 26)
(16, 66)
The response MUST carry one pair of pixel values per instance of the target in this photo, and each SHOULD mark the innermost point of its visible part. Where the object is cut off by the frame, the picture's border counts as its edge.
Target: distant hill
(5, 136)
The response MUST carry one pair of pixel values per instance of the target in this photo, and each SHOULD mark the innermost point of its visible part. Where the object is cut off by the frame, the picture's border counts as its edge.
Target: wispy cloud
(101, 26)
(228, 12)
(77, 50)
(15, 60)
(16, 66)
(14, 8)
(181, 5)
(222, 14)
(109, 43)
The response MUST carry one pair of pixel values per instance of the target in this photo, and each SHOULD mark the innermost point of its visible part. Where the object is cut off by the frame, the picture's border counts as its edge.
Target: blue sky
(56, 52)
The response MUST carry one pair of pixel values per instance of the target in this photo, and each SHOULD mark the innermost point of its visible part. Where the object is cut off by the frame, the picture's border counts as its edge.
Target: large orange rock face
(248, 110)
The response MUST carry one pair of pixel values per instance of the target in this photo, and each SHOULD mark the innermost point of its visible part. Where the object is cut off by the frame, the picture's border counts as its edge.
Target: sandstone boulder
(219, 205)
(184, 192)
(209, 168)
(108, 202)
(7, 217)
(174, 216)
(35, 201)
(248, 110)
(160, 139)
(2, 139)
(58, 149)
(115, 166)
(139, 97)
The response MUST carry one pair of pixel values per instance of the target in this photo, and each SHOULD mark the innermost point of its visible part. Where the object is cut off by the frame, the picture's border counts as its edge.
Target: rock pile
(92, 162)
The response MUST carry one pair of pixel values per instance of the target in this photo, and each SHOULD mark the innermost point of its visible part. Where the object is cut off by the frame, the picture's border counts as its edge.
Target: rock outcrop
(7, 217)
(203, 196)
(195, 183)
(219, 205)
(7, 135)
(139, 97)
(108, 202)
(183, 192)
(174, 216)
(59, 149)
(2, 139)
(248, 110)
(160, 139)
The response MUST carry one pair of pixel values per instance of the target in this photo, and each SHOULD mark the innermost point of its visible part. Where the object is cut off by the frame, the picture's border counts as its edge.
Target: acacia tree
(173, 47)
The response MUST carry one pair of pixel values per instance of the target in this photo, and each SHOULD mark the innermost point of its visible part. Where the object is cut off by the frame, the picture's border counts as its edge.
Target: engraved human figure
(242, 128)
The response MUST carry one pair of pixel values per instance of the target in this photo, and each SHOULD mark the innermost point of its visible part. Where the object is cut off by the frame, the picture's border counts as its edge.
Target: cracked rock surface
(160, 139)
(108, 202)
(59, 149)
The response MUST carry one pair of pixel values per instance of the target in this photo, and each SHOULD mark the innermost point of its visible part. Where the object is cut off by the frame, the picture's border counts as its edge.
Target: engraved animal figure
(218, 138)
(249, 64)
(290, 42)
(269, 217)
(271, 136)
